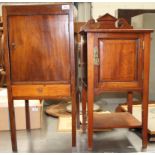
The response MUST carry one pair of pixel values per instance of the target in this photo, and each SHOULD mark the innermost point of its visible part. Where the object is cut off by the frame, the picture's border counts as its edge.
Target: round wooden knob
(13, 45)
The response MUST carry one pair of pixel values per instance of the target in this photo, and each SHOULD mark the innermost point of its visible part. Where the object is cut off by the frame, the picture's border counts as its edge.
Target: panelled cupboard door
(39, 48)
(120, 60)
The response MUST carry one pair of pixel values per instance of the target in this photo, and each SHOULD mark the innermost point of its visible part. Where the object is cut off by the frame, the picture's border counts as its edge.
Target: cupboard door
(120, 61)
(39, 48)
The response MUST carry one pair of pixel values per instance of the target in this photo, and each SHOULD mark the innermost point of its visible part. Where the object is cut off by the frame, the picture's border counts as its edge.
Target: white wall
(148, 22)
(100, 8)
(84, 11)
(138, 21)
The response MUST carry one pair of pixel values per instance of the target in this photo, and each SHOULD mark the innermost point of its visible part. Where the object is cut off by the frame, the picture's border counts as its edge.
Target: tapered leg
(84, 98)
(90, 88)
(145, 98)
(145, 121)
(12, 125)
(78, 109)
(3, 76)
(130, 101)
(74, 104)
(27, 113)
(90, 118)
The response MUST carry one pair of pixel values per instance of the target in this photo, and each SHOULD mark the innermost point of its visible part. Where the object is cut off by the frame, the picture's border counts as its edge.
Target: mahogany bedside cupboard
(115, 58)
(39, 56)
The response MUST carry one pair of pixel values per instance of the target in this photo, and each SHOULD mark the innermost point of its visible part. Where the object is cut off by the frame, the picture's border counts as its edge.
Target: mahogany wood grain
(115, 120)
(55, 9)
(83, 59)
(62, 90)
(119, 86)
(84, 106)
(12, 122)
(117, 61)
(77, 27)
(39, 56)
(130, 101)
(90, 79)
(127, 63)
(145, 97)
(73, 74)
(107, 22)
(10, 102)
(8, 82)
(78, 110)
(53, 29)
(124, 55)
(116, 30)
(27, 114)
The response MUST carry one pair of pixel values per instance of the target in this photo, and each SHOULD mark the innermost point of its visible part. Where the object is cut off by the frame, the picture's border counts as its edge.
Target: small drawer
(43, 91)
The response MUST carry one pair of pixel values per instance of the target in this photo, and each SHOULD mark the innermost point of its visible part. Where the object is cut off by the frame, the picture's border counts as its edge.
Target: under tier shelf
(115, 120)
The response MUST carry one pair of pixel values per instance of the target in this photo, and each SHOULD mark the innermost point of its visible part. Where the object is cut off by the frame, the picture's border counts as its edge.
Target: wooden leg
(2, 80)
(78, 110)
(12, 125)
(74, 119)
(130, 102)
(144, 122)
(27, 113)
(90, 119)
(84, 98)
(90, 88)
(3, 76)
(145, 98)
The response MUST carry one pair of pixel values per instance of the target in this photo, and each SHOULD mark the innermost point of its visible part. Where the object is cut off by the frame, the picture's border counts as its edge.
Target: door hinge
(96, 57)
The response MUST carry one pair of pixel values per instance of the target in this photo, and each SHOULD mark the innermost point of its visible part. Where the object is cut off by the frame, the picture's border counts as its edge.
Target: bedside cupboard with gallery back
(39, 56)
(114, 58)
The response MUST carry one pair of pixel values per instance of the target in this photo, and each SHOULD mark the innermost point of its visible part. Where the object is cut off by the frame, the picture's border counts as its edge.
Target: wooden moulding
(35, 9)
(107, 22)
(115, 120)
(44, 91)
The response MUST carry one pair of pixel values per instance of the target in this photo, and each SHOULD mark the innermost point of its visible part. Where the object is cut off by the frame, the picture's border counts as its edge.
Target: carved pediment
(107, 22)
(106, 17)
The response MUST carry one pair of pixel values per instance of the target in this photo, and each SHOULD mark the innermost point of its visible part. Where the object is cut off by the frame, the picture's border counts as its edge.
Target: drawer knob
(13, 45)
(39, 90)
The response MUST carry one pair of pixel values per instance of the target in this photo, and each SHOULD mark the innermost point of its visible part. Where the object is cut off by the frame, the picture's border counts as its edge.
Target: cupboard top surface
(38, 9)
(118, 30)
